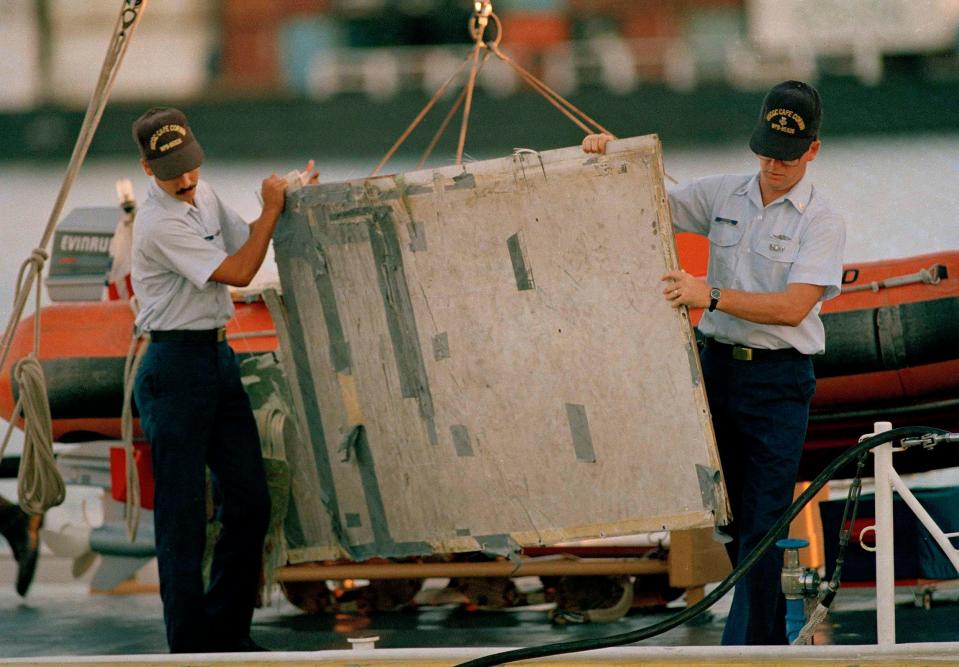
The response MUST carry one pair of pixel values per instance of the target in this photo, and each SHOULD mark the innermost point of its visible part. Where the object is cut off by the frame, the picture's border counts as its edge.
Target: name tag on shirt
(728, 221)
(212, 236)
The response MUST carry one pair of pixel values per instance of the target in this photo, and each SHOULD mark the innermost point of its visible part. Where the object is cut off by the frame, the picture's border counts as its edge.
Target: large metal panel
(484, 360)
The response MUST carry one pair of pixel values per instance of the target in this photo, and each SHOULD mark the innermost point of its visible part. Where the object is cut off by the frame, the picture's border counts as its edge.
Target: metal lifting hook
(480, 20)
(483, 9)
(130, 13)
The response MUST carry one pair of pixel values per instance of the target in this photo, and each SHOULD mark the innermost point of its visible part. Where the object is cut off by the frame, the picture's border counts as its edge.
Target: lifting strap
(481, 19)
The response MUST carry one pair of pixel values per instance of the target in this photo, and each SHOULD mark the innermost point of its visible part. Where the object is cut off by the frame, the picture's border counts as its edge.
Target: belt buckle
(742, 353)
(221, 334)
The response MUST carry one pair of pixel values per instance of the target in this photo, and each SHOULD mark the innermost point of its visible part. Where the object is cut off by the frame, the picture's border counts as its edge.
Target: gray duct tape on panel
(585, 364)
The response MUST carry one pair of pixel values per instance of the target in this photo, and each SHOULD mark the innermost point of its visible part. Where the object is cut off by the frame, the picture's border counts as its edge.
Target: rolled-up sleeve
(821, 251)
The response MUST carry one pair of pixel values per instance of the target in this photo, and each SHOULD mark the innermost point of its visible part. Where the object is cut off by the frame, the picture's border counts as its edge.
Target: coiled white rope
(131, 11)
(39, 483)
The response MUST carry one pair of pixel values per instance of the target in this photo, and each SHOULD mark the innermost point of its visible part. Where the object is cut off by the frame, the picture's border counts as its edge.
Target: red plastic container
(118, 473)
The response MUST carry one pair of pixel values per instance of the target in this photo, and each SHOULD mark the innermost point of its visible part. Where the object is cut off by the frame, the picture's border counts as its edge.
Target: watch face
(713, 293)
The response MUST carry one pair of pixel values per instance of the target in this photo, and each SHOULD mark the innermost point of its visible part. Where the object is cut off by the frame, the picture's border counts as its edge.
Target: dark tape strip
(375, 506)
(709, 486)
(415, 230)
(400, 317)
(523, 273)
(346, 233)
(383, 543)
(391, 550)
(499, 545)
(417, 236)
(340, 356)
(315, 434)
(692, 351)
(327, 194)
(293, 527)
(441, 346)
(291, 238)
(579, 428)
(348, 446)
(463, 181)
(461, 440)
(396, 301)
(353, 520)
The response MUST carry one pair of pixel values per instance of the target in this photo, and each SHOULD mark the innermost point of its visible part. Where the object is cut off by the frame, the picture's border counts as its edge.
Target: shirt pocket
(772, 259)
(724, 238)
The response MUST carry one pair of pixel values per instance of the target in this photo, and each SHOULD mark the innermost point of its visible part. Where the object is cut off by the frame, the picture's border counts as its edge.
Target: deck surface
(58, 620)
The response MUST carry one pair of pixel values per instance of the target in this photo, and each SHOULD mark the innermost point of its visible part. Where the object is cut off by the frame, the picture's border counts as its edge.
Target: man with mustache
(775, 254)
(188, 246)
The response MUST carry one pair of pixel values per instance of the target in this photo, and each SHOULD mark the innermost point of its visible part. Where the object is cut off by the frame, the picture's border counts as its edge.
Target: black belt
(189, 336)
(743, 353)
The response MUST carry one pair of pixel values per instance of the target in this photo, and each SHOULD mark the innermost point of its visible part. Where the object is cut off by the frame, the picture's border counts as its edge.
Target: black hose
(849, 512)
(726, 584)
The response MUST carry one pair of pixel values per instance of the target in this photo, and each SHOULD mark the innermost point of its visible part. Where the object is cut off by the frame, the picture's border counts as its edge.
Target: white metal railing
(888, 480)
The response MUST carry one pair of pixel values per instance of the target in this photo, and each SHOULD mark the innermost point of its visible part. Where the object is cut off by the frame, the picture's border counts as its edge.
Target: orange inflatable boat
(83, 348)
(892, 354)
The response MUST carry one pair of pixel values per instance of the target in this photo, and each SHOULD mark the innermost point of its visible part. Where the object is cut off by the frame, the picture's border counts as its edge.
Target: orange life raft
(83, 348)
(892, 354)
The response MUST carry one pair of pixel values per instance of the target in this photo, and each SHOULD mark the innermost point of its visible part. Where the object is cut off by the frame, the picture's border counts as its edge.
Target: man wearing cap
(188, 246)
(775, 254)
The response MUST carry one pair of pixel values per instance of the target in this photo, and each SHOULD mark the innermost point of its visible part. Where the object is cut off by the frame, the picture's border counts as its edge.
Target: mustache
(183, 191)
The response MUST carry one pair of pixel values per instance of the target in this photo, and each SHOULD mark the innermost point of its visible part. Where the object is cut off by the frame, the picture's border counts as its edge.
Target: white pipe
(885, 561)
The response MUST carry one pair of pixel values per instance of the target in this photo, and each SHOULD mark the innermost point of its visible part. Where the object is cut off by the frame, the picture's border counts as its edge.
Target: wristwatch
(714, 295)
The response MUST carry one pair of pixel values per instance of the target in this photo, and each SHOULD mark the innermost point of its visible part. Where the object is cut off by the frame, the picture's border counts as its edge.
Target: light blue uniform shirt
(798, 238)
(176, 248)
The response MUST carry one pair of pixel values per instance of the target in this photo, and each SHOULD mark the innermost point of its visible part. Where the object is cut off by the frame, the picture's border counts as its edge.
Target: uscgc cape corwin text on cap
(789, 122)
(167, 143)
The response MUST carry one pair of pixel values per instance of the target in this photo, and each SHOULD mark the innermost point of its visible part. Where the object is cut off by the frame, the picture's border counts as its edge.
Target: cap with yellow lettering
(789, 122)
(167, 143)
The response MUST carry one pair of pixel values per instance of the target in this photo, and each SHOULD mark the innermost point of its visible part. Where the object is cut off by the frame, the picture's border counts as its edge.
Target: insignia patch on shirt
(726, 220)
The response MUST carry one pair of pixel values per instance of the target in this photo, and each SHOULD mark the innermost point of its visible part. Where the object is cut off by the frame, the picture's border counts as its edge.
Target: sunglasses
(785, 163)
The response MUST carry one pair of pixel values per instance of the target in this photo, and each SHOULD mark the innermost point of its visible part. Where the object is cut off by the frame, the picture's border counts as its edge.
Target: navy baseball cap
(789, 122)
(167, 143)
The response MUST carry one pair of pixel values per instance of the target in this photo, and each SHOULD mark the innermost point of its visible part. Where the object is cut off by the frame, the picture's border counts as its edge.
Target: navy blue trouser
(195, 413)
(760, 412)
